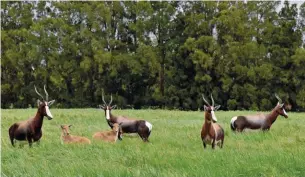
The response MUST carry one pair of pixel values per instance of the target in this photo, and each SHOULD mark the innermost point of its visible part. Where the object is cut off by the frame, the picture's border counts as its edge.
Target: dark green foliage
(153, 54)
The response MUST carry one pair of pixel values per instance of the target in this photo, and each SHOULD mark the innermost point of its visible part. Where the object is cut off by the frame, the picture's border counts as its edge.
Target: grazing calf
(30, 129)
(70, 139)
(259, 121)
(129, 125)
(211, 132)
(109, 136)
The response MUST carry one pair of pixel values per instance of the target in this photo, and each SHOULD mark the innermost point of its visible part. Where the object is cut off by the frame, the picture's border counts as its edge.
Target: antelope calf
(70, 139)
(30, 129)
(109, 136)
(259, 121)
(211, 132)
(129, 125)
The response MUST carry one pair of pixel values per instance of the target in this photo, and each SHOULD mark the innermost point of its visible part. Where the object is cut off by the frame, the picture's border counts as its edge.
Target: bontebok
(259, 121)
(30, 129)
(129, 125)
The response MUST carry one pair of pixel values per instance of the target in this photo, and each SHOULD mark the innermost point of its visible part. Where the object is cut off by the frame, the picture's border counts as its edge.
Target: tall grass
(175, 147)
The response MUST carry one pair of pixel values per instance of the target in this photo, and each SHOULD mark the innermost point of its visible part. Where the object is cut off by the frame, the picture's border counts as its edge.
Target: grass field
(175, 147)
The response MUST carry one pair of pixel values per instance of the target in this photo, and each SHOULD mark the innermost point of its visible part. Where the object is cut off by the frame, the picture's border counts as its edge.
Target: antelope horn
(110, 99)
(205, 100)
(278, 98)
(47, 95)
(103, 98)
(212, 100)
(38, 93)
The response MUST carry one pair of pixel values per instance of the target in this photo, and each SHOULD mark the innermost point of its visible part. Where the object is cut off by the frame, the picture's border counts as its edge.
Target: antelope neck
(273, 115)
(38, 119)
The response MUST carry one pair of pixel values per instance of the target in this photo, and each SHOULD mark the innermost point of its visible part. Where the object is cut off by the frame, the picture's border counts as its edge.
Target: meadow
(175, 147)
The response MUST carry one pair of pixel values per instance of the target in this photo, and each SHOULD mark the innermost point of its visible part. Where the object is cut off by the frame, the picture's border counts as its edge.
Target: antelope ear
(62, 126)
(38, 102)
(217, 107)
(51, 102)
(70, 126)
(205, 108)
(113, 107)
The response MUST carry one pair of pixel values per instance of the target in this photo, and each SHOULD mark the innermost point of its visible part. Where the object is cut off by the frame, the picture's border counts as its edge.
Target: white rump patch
(48, 112)
(148, 125)
(107, 114)
(213, 116)
(233, 120)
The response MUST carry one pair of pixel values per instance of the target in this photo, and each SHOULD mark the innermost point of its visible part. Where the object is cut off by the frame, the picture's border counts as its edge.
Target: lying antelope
(30, 130)
(69, 139)
(259, 121)
(129, 125)
(211, 132)
(109, 136)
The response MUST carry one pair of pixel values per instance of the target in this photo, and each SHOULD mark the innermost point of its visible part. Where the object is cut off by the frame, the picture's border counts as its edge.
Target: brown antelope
(30, 129)
(129, 125)
(211, 132)
(69, 139)
(109, 136)
(259, 121)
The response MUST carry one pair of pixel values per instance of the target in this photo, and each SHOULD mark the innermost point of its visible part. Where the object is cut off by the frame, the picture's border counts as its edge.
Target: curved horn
(205, 100)
(38, 93)
(110, 99)
(47, 95)
(212, 100)
(103, 97)
(278, 98)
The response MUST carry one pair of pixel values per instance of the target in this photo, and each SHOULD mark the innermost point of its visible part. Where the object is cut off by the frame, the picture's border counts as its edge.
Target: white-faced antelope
(211, 132)
(67, 138)
(259, 121)
(129, 125)
(30, 129)
(109, 136)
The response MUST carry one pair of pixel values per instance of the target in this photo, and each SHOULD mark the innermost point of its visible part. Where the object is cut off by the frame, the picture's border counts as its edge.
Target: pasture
(175, 147)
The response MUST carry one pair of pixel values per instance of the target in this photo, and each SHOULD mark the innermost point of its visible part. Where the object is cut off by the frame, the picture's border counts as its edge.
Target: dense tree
(154, 54)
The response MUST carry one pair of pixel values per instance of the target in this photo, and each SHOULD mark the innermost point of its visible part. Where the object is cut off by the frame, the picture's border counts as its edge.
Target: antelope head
(43, 106)
(65, 129)
(210, 109)
(280, 107)
(107, 107)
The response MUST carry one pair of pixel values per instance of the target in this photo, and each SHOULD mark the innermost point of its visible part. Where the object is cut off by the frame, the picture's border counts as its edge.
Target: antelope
(129, 125)
(211, 132)
(109, 136)
(259, 121)
(30, 130)
(69, 139)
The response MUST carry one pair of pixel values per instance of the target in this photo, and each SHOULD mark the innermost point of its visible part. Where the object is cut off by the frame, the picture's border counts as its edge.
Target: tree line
(153, 54)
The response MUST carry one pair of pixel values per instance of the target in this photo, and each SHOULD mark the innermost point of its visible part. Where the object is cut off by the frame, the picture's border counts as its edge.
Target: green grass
(175, 147)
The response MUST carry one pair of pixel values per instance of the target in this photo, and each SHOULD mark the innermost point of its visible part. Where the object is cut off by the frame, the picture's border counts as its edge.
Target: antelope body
(128, 125)
(109, 136)
(211, 132)
(30, 130)
(71, 139)
(258, 121)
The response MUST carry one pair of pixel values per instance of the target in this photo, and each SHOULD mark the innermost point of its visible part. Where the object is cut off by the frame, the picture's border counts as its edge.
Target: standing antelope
(259, 121)
(68, 139)
(129, 125)
(30, 129)
(109, 136)
(211, 132)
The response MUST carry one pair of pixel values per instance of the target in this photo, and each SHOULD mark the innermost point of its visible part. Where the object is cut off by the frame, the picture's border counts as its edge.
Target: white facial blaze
(107, 114)
(48, 112)
(285, 113)
(213, 116)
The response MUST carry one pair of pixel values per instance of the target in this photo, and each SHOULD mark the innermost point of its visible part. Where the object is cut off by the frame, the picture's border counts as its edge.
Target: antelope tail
(232, 123)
